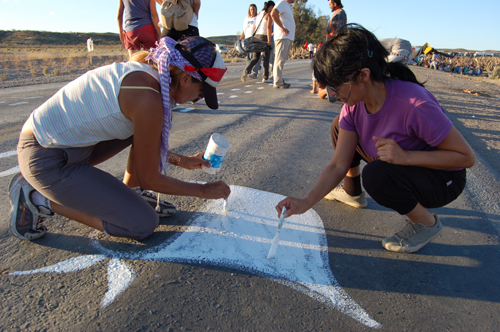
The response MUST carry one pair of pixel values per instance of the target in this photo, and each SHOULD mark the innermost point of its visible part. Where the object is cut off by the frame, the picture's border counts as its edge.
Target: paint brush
(274, 245)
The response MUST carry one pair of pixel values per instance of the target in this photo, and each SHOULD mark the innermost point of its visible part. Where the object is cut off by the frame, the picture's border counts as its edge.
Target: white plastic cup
(215, 153)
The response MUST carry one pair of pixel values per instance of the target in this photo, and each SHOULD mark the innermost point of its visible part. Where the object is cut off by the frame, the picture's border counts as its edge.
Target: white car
(221, 48)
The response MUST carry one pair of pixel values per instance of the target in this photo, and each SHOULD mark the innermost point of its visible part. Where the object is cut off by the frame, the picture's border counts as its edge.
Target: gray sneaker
(26, 221)
(412, 237)
(339, 194)
(166, 209)
(254, 76)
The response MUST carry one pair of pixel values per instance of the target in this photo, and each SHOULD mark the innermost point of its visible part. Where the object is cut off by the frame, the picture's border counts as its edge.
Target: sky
(442, 24)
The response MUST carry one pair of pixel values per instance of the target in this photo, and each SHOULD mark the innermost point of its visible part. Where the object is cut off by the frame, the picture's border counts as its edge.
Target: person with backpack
(180, 18)
(416, 158)
(138, 24)
(263, 26)
(93, 118)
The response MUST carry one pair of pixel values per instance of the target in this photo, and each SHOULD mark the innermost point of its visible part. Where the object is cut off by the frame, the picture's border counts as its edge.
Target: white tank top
(86, 110)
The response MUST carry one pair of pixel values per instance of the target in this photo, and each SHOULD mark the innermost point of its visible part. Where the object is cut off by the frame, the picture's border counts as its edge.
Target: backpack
(176, 14)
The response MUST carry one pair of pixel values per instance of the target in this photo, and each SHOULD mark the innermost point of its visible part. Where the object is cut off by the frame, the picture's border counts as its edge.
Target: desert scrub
(496, 73)
(45, 71)
(33, 71)
(57, 72)
(3, 77)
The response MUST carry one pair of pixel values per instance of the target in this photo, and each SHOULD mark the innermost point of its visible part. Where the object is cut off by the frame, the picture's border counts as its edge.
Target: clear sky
(473, 25)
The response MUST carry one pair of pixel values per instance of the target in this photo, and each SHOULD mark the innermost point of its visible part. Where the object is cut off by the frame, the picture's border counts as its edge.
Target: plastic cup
(215, 153)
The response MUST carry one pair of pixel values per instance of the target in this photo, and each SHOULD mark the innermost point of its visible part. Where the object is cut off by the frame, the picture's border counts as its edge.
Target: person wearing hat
(96, 116)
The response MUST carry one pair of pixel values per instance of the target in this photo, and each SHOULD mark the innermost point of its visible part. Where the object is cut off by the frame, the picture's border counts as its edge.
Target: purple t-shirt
(410, 115)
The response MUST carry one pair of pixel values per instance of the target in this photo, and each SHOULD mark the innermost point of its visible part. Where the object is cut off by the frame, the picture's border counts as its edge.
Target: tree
(309, 27)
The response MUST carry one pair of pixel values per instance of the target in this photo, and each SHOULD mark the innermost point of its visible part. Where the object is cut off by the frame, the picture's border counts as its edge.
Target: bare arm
(145, 109)
(196, 7)
(453, 152)
(154, 16)
(120, 19)
(269, 28)
(329, 178)
(275, 14)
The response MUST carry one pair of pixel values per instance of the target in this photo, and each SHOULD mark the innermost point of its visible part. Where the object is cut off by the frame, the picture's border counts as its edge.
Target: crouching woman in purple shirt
(415, 157)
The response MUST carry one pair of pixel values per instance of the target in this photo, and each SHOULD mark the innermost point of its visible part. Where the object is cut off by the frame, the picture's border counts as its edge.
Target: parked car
(221, 48)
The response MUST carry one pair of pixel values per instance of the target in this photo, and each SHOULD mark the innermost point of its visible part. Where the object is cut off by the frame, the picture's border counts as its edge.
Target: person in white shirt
(248, 30)
(284, 34)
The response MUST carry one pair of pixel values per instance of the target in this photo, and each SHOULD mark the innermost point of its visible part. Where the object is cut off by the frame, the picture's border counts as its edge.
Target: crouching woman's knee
(146, 226)
(376, 177)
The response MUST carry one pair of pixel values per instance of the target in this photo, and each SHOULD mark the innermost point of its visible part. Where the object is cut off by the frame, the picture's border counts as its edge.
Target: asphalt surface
(279, 143)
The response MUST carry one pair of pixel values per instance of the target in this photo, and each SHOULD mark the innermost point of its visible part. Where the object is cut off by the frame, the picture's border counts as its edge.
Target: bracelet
(174, 160)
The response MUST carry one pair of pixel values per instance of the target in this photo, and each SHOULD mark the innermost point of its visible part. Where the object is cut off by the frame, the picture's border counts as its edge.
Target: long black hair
(268, 4)
(351, 49)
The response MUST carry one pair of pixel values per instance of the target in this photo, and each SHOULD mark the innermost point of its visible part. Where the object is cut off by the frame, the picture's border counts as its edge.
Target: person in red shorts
(138, 24)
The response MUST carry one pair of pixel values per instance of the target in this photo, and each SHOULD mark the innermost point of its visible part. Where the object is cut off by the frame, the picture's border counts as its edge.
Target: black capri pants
(401, 188)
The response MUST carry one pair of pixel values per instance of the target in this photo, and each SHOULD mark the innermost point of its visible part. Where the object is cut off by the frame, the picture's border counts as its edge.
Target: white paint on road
(239, 239)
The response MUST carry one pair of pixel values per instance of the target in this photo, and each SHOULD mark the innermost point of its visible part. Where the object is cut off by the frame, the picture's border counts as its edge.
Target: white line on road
(19, 103)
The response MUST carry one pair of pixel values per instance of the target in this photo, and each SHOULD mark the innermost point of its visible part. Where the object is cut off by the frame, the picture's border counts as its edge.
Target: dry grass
(26, 62)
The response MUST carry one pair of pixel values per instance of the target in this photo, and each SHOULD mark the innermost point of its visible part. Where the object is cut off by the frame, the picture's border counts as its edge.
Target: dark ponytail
(268, 4)
(351, 49)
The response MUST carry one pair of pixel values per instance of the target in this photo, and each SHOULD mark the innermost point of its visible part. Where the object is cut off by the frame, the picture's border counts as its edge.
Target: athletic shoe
(339, 194)
(283, 86)
(244, 76)
(412, 237)
(254, 76)
(268, 80)
(166, 209)
(26, 221)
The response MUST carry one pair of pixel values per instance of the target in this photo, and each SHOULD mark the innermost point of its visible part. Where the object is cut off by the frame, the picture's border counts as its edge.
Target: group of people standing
(415, 157)
(275, 25)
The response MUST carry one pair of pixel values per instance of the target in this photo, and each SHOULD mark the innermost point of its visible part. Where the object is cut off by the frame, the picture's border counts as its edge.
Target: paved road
(279, 144)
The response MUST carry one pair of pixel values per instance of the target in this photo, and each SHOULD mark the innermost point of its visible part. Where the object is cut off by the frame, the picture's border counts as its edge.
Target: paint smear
(238, 238)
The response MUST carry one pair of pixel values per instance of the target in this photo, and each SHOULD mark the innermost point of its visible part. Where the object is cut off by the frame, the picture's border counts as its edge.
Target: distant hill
(18, 38)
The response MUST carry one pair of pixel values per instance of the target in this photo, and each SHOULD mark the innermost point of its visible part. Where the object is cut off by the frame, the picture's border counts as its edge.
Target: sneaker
(254, 76)
(339, 194)
(166, 209)
(412, 237)
(267, 80)
(283, 86)
(244, 76)
(26, 221)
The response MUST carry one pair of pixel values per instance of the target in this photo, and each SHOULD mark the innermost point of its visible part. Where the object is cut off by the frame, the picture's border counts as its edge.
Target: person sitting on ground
(416, 158)
(91, 119)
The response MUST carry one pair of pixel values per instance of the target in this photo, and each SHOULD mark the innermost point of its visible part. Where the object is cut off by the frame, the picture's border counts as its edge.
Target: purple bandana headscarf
(164, 55)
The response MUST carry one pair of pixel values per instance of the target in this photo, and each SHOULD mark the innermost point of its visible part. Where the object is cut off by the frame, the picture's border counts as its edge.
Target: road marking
(238, 239)
(11, 171)
(34, 97)
(8, 154)
(19, 103)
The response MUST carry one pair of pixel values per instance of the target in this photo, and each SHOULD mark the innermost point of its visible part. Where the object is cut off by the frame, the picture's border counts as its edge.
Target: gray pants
(68, 177)
(282, 48)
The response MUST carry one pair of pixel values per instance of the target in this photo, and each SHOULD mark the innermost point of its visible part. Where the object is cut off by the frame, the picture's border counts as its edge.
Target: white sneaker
(165, 209)
(339, 194)
(267, 81)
